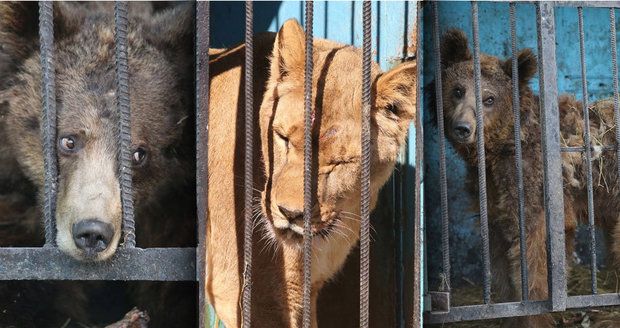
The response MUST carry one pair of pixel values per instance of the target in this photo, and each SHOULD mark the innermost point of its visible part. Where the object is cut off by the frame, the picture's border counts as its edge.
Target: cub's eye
(489, 101)
(139, 156)
(458, 93)
(68, 144)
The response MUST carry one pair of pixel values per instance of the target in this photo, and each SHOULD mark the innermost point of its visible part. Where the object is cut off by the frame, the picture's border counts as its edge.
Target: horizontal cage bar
(152, 264)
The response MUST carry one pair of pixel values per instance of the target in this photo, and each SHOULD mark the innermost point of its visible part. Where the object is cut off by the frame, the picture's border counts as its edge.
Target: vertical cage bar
(365, 172)
(308, 205)
(202, 150)
(552, 160)
(443, 181)
(46, 37)
(482, 179)
(588, 151)
(614, 62)
(516, 109)
(121, 25)
(249, 152)
(418, 216)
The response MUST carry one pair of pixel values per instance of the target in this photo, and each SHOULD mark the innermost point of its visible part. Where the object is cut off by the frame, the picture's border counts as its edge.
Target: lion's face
(337, 90)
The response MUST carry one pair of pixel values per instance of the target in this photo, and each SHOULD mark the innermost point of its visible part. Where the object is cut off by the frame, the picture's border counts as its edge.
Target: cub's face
(336, 138)
(459, 97)
(88, 214)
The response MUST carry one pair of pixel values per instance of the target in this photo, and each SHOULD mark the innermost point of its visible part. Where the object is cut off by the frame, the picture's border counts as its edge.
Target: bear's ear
(396, 92)
(289, 50)
(172, 30)
(528, 65)
(454, 48)
(19, 27)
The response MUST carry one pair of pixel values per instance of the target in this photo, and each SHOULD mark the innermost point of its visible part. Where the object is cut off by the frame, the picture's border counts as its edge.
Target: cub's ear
(397, 91)
(454, 48)
(172, 29)
(289, 50)
(19, 27)
(527, 65)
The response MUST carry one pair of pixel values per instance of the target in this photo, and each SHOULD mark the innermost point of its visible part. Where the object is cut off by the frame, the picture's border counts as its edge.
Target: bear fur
(503, 203)
(160, 57)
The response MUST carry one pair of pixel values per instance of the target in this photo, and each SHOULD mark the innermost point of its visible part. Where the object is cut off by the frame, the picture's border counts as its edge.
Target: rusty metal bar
(48, 90)
(614, 64)
(121, 26)
(482, 180)
(249, 159)
(155, 264)
(552, 160)
(202, 150)
(516, 109)
(588, 151)
(308, 204)
(365, 172)
(443, 184)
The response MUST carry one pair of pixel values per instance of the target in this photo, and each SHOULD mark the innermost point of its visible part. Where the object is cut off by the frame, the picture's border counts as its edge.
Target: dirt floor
(578, 284)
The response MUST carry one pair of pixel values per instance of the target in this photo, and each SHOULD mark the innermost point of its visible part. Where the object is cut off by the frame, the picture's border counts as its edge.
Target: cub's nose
(92, 235)
(291, 214)
(462, 130)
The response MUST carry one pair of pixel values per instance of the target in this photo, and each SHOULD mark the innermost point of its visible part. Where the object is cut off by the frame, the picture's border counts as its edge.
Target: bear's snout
(92, 236)
(462, 130)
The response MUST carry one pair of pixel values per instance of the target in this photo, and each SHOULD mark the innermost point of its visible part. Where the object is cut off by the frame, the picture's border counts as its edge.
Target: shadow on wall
(465, 246)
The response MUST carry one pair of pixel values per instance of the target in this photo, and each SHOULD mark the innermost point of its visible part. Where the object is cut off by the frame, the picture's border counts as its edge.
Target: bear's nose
(462, 129)
(290, 213)
(92, 235)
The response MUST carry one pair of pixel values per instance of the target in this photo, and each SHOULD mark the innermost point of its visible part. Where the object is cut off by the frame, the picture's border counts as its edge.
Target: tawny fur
(278, 167)
(459, 106)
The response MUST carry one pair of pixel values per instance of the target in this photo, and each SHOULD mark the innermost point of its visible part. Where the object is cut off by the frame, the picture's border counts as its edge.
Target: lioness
(278, 168)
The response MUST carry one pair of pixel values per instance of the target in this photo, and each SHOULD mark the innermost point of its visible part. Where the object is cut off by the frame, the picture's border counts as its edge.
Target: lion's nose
(290, 213)
(92, 235)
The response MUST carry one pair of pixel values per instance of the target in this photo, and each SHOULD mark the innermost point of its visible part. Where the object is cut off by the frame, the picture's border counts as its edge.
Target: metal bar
(487, 311)
(156, 264)
(516, 109)
(552, 160)
(482, 179)
(48, 90)
(512, 309)
(603, 4)
(614, 64)
(121, 26)
(308, 205)
(249, 159)
(581, 149)
(365, 172)
(202, 150)
(418, 216)
(585, 301)
(443, 184)
(588, 151)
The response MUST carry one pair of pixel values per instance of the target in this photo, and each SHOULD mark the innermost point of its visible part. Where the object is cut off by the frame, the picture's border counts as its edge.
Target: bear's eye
(458, 93)
(489, 101)
(68, 144)
(139, 156)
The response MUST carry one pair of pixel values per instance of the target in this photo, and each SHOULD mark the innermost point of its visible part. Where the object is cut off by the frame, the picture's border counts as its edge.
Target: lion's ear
(289, 50)
(396, 91)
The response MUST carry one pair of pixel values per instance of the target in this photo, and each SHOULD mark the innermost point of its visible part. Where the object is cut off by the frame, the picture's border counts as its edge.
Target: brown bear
(460, 126)
(160, 54)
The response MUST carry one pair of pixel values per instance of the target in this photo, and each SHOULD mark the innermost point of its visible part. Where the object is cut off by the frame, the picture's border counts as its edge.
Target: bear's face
(459, 94)
(89, 215)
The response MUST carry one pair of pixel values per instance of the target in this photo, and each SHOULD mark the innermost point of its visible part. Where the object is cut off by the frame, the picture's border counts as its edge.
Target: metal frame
(558, 300)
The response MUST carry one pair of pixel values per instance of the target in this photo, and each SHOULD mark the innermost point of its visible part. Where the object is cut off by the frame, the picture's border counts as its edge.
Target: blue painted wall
(494, 40)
